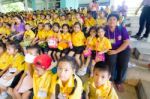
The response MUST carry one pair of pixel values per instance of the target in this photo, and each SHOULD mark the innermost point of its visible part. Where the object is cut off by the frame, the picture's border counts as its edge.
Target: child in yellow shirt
(101, 20)
(3, 56)
(89, 51)
(99, 86)
(66, 84)
(42, 78)
(28, 37)
(78, 42)
(5, 32)
(65, 42)
(10, 76)
(39, 37)
(53, 41)
(89, 21)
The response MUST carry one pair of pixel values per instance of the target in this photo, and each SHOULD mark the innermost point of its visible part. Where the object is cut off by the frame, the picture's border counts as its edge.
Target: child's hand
(8, 78)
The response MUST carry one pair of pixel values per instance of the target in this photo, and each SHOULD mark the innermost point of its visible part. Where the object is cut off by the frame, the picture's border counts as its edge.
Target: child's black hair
(102, 66)
(48, 25)
(78, 23)
(38, 49)
(2, 45)
(66, 26)
(71, 60)
(15, 46)
(56, 24)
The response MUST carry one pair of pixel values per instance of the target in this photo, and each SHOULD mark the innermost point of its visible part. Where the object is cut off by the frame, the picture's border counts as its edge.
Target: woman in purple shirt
(18, 28)
(118, 56)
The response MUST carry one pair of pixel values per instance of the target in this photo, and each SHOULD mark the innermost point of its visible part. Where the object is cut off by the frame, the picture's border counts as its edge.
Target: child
(89, 51)
(89, 21)
(78, 41)
(66, 84)
(99, 86)
(29, 36)
(40, 35)
(65, 42)
(42, 77)
(25, 85)
(11, 75)
(103, 45)
(101, 20)
(3, 57)
(53, 40)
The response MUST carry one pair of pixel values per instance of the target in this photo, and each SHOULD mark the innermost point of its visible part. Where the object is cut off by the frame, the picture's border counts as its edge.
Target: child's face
(65, 29)
(47, 27)
(62, 17)
(101, 33)
(93, 33)
(77, 28)
(64, 71)
(1, 50)
(100, 77)
(11, 50)
(27, 27)
(39, 71)
(40, 26)
(33, 52)
(55, 29)
(47, 17)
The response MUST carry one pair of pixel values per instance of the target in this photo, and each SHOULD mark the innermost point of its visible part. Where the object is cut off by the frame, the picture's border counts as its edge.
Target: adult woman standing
(118, 56)
(18, 28)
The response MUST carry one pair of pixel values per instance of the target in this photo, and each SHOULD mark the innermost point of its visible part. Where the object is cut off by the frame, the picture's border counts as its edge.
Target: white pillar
(0, 7)
(26, 5)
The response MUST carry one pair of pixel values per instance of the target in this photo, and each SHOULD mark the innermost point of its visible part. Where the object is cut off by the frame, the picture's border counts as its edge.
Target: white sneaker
(82, 71)
(3, 95)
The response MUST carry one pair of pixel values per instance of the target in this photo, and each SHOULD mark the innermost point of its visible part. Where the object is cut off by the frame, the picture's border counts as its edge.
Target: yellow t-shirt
(101, 21)
(62, 22)
(17, 62)
(91, 42)
(74, 82)
(90, 22)
(4, 60)
(65, 39)
(2, 29)
(103, 44)
(49, 33)
(29, 35)
(70, 22)
(42, 83)
(105, 91)
(41, 35)
(78, 39)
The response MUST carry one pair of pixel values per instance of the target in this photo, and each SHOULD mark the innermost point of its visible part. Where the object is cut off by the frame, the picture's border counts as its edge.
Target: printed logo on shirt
(119, 37)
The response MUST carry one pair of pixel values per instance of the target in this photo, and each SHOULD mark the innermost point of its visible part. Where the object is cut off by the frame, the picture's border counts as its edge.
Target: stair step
(143, 89)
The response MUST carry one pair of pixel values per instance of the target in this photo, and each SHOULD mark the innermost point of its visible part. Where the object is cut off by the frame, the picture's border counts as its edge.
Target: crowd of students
(44, 53)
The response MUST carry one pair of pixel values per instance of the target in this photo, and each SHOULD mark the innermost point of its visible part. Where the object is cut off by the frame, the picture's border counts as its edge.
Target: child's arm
(20, 81)
(2, 72)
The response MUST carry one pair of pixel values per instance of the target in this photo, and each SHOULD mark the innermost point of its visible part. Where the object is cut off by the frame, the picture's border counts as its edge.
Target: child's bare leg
(58, 55)
(16, 94)
(71, 53)
(10, 92)
(77, 57)
(92, 67)
(26, 95)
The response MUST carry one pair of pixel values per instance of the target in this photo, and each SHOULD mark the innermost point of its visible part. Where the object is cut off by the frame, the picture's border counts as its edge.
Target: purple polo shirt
(117, 37)
(20, 28)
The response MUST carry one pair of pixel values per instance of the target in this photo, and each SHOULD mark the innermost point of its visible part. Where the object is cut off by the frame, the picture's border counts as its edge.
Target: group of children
(51, 41)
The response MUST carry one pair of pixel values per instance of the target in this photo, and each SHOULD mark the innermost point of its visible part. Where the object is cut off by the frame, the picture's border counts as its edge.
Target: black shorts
(66, 51)
(16, 80)
(53, 49)
(79, 49)
(93, 54)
